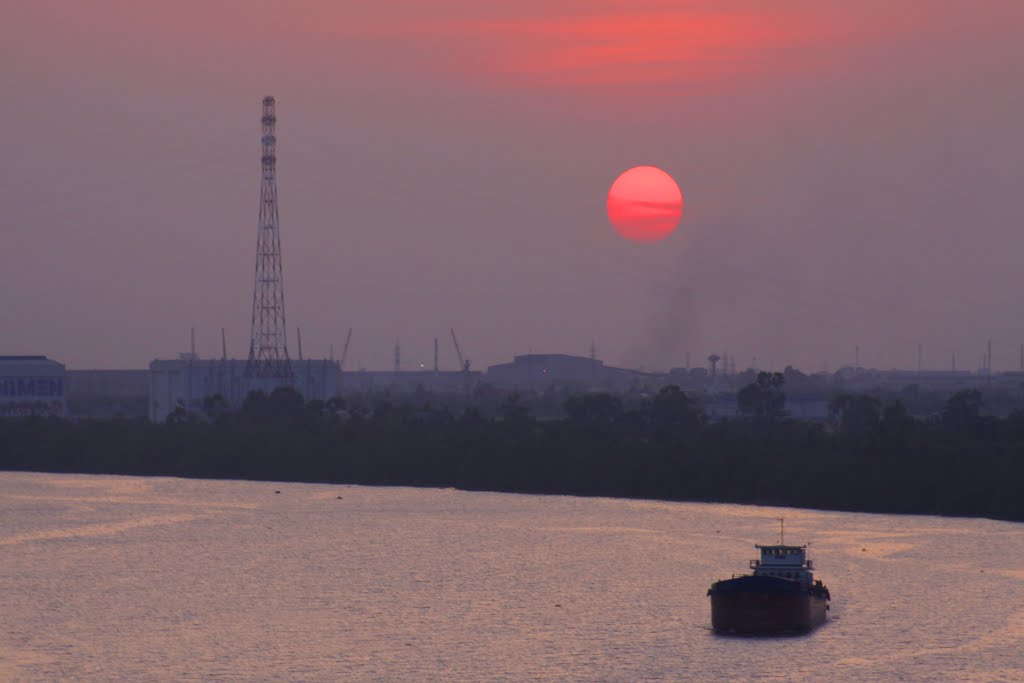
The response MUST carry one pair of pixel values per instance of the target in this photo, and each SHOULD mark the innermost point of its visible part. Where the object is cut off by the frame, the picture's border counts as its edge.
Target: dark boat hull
(764, 605)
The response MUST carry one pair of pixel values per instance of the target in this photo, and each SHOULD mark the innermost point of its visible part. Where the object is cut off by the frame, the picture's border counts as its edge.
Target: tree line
(868, 456)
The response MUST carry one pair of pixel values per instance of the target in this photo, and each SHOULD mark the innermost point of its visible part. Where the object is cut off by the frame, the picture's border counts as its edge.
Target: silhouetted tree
(593, 408)
(672, 408)
(255, 406)
(963, 406)
(857, 415)
(180, 415)
(513, 411)
(763, 398)
(215, 407)
(607, 445)
(897, 423)
(962, 412)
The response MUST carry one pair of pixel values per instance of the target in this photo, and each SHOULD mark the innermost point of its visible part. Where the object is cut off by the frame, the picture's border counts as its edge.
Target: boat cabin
(785, 562)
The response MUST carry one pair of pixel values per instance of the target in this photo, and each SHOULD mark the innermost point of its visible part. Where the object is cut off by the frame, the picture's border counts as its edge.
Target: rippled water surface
(113, 578)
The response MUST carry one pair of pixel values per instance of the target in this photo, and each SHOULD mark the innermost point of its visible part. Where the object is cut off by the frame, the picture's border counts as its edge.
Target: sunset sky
(852, 172)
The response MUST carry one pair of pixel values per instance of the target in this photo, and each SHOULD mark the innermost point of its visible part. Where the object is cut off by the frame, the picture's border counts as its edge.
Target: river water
(118, 578)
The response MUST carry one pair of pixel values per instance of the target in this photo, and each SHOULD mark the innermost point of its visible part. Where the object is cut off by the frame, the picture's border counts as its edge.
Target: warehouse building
(105, 394)
(539, 371)
(31, 385)
(188, 381)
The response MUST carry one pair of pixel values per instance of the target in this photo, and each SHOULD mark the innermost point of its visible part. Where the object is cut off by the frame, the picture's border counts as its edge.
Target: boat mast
(782, 531)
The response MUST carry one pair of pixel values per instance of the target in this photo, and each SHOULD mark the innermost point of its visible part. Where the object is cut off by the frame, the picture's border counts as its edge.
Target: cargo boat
(781, 596)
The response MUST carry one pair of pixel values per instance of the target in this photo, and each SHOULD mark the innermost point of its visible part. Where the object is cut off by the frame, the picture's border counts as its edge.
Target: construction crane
(344, 350)
(463, 362)
(223, 363)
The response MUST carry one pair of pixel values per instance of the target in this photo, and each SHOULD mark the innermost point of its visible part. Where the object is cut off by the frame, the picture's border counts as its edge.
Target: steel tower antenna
(268, 346)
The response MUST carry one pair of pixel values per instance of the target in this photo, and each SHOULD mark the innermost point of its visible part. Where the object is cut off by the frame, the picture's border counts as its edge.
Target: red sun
(645, 204)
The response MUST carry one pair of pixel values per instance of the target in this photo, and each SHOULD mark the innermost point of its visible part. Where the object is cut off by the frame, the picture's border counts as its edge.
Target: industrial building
(31, 385)
(539, 371)
(409, 381)
(865, 380)
(104, 394)
(187, 381)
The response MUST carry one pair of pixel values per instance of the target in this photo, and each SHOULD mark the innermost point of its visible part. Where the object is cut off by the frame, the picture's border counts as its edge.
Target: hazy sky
(852, 172)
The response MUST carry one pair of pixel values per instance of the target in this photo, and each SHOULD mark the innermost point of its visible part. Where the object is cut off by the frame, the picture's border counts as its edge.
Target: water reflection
(164, 579)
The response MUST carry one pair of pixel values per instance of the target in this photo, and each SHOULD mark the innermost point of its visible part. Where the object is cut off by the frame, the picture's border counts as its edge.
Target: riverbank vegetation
(868, 456)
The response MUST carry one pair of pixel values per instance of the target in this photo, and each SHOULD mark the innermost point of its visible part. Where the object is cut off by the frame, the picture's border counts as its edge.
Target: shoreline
(765, 504)
(870, 458)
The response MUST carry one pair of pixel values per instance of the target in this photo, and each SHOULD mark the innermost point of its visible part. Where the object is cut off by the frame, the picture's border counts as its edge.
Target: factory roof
(553, 357)
(29, 360)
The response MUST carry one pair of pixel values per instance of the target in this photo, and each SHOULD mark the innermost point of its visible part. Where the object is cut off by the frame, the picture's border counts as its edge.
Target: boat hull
(764, 605)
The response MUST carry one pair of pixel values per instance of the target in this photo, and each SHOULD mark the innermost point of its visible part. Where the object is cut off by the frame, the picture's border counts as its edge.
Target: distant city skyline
(851, 176)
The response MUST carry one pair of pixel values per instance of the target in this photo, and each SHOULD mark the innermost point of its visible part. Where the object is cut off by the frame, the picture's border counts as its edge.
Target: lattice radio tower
(268, 346)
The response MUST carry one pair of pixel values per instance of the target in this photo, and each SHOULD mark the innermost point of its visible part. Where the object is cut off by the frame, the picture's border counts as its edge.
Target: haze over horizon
(851, 176)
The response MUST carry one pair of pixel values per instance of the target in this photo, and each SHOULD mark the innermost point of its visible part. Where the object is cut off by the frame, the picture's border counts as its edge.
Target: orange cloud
(617, 48)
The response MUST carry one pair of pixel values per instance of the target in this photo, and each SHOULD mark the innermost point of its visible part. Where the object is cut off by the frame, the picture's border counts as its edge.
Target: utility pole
(268, 343)
(306, 387)
(191, 359)
(223, 365)
(988, 359)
